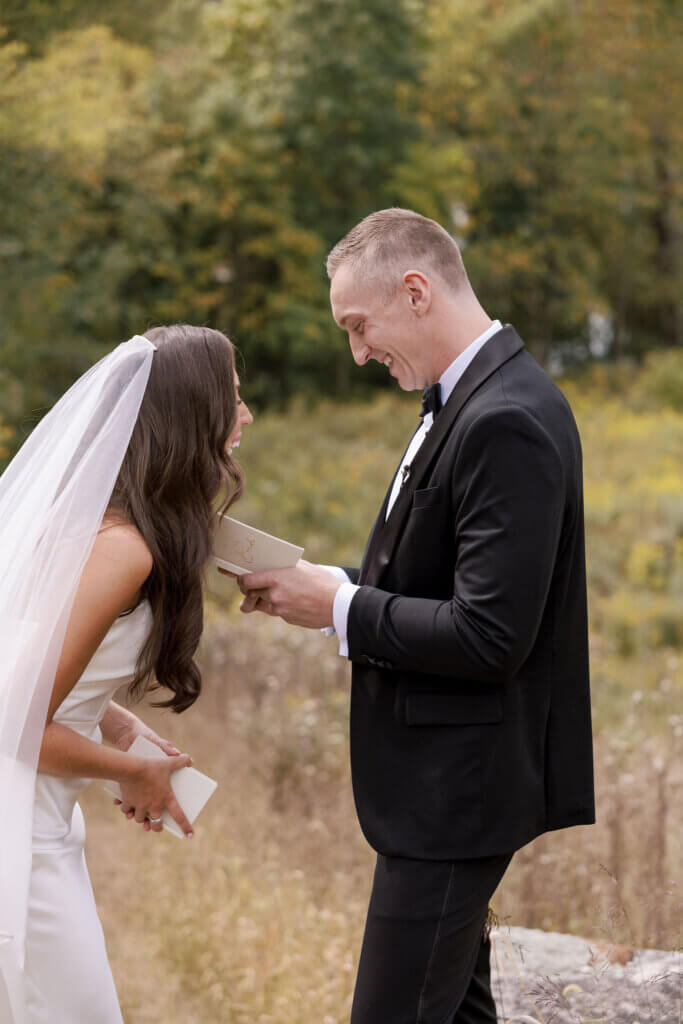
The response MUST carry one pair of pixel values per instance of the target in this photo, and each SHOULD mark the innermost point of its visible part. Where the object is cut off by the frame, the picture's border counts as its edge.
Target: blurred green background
(194, 161)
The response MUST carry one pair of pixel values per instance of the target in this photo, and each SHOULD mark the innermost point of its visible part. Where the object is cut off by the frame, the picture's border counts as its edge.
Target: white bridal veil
(52, 499)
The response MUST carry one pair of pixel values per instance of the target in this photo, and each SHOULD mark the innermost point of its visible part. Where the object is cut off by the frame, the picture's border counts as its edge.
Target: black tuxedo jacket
(470, 708)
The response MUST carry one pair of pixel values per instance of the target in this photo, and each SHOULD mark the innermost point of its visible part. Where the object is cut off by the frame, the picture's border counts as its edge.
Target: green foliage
(632, 433)
(660, 380)
(568, 114)
(34, 22)
(344, 128)
(196, 164)
(201, 177)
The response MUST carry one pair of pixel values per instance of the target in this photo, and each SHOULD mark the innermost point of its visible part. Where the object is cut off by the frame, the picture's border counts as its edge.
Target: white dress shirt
(448, 379)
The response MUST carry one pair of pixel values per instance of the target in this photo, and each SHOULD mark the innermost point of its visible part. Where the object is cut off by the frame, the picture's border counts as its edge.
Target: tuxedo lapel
(381, 515)
(501, 347)
(377, 526)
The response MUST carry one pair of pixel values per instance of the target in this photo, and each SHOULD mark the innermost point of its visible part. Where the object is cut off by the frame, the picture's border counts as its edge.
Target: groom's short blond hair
(384, 245)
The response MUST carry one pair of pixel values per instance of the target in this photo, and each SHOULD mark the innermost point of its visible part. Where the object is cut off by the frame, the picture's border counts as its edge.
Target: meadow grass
(259, 918)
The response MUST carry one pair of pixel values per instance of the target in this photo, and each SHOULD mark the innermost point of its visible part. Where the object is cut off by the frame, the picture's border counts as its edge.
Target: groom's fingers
(257, 587)
(258, 604)
(251, 602)
(253, 586)
(257, 581)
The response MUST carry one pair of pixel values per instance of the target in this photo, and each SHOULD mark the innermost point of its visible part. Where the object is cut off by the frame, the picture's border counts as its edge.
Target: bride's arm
(118, 566)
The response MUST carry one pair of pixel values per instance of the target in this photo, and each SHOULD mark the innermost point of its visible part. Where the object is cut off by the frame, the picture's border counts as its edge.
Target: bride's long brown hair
(171, 475)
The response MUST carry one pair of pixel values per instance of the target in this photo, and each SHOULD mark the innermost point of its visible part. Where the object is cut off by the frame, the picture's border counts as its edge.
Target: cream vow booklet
(241, 548)
(191, 788)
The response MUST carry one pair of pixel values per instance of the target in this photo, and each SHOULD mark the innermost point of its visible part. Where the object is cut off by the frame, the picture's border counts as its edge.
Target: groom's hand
(303, 595)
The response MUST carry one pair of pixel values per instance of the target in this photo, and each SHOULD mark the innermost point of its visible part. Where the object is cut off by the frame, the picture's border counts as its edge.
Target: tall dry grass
(260, 917)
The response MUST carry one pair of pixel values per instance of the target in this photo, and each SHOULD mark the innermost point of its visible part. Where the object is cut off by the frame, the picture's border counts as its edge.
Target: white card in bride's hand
(192, 789)
(241, 548)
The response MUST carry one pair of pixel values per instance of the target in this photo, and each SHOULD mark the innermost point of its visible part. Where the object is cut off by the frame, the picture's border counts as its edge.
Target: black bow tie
(431, 400)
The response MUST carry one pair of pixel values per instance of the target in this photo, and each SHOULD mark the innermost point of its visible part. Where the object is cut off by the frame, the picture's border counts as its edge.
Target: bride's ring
(155, 821)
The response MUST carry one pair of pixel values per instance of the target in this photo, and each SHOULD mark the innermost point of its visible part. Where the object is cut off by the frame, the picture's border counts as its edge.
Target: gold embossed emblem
(245, 550)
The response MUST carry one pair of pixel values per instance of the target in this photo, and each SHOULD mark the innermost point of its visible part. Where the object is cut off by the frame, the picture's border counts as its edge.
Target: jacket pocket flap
(453, 709)
(425, 497)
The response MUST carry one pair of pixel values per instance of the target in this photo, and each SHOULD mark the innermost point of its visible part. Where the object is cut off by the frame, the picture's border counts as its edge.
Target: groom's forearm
(342, 602)
(391, 631)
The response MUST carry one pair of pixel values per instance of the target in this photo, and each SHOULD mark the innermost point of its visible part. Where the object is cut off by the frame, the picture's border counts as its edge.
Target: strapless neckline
(144, 603)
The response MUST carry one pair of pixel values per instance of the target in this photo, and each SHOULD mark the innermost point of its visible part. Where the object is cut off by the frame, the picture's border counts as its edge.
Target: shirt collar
(452, 374)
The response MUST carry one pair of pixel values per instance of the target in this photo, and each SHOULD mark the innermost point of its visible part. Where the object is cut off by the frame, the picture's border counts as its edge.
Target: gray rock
(547, 978)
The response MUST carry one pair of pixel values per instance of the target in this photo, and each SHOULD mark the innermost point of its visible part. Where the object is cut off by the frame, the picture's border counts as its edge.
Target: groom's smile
(384, 331)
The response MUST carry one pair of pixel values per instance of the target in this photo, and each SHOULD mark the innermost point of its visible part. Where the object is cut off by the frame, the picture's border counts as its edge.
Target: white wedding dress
(67, 974)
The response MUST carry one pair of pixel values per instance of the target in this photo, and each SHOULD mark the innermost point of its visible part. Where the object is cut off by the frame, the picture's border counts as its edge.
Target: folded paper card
(241, 548)
(192, 789)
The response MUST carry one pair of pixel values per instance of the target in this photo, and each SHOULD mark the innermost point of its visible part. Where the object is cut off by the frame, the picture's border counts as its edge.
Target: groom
(465, 624)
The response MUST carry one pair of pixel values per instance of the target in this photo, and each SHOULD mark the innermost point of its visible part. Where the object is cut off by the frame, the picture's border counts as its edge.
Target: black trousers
(425, 955)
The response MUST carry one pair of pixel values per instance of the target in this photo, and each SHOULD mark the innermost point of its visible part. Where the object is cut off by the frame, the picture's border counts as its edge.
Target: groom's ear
(418, 291)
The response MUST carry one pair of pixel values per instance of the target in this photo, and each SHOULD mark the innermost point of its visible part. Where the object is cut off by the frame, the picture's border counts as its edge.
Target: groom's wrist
(340, 614)
(340, 575)
(337, 572)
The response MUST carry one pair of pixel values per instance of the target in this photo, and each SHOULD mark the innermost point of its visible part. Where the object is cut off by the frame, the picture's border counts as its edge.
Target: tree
(58, 115)
(567, 114)
(634, 92)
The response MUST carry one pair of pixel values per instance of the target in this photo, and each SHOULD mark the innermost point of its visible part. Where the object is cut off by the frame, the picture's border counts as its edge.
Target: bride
(100, 586)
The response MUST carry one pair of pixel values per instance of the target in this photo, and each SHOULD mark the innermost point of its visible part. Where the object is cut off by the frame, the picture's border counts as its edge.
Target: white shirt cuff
(339, 573)
(340, 614)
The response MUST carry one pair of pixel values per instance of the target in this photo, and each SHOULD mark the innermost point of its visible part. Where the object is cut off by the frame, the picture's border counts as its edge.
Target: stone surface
(547, 978)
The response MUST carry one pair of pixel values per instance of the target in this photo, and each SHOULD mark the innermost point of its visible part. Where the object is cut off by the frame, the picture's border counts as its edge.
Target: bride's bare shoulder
(122, 542)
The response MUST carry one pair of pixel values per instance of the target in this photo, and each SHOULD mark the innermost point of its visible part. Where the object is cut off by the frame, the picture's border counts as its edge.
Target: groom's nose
(360, 351)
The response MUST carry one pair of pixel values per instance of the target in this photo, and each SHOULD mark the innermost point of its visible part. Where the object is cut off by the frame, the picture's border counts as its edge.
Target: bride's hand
(128, 727)
(148, 794)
